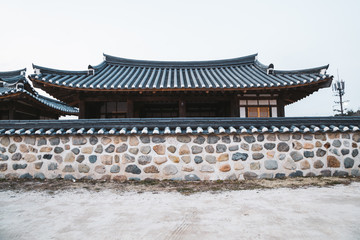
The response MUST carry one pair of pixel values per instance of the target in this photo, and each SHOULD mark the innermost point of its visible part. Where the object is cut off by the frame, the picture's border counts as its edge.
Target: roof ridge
(158, 63)
(296, 71)
(14, 73)
(74, 72)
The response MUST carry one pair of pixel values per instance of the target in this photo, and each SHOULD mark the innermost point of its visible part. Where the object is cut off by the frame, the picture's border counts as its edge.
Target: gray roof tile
(181, 126)
(128, 74)
(10, 88)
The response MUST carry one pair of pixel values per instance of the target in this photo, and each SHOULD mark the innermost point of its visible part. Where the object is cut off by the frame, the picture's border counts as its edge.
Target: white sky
(291, 34)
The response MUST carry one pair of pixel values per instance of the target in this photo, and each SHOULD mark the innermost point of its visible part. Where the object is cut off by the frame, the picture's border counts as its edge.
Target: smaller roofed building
(20, 101)
(126, 88)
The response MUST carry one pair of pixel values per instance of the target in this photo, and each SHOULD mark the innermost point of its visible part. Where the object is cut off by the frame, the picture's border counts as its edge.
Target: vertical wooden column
(11, 111)
(182, 107)
(280, 107)
(235, 111)
(130, 108)
(82, 110)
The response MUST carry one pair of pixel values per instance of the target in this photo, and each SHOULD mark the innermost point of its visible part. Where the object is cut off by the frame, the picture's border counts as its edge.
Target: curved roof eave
(67, 72)
(154, 63)
(10, 74)
(48, 102)
(297, 71)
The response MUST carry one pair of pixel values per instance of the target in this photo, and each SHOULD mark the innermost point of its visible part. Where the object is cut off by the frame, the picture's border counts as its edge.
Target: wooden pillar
(182, 107)
(82, 113)
(11, 112)
(235, 111)
(280, 107)
(130, 108)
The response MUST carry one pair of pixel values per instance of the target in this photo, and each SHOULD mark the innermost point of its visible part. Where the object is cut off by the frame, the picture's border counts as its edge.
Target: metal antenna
(339, 89)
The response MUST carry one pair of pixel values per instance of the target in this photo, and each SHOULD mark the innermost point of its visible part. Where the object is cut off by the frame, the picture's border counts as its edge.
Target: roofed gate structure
(20, 101)
(126, 88)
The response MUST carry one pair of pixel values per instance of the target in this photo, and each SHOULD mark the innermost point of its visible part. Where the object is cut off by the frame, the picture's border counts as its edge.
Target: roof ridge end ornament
(91, 70)
(270, 69)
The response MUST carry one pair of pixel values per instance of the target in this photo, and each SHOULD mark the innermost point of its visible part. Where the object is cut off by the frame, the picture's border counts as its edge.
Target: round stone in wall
(115, 169)
(269, 146)
(12, 148)
(58, 150)
(207, 168)
(210, 159)
(192, 177)
(257, 156)
(68, 168)
(83, 168)
(333, 162)
(239, 156)
(234, 148)
(183, 139)
(151, 169)
(348, 162)
(110, 148)
(336, 143)
(132, 169)
(226, 139)
(92, 158)
(255, 166)
(80, 158)
(93, 140)
(249, 139)
(271, 164)
(196, 149)
(145, 149)
(199, 140)
(220, 148)
(105, 140)
(223, 157)
(318, 164)
(225, 168)
(212, 139)
(175, 159)
(256, 147)
(78, 140)
(198, 159)
(170, 169)
(144, 159)
(283, 147)
(209, 149)
(320, 152)
(296, 156)
(16, 156)
(158, 139)
(304, 165)
(186, 159)
(160, 160)
(172, 149)
(354, 152)
(122, 148)
(127, 158)
(284, 136)
(184, 149)
(100, 169)
(250, 176)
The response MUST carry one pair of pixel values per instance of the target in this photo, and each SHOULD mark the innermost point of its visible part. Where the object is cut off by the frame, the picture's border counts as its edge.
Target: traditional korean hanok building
(20, 101)
(126, 88)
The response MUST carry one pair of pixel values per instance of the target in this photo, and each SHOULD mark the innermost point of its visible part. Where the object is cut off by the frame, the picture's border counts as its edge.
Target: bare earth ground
(301, 208)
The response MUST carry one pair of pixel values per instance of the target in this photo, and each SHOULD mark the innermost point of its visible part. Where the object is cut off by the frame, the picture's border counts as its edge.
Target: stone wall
(187, 157)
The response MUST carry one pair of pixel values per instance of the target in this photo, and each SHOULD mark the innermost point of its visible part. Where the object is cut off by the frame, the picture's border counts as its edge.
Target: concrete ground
(283, 213)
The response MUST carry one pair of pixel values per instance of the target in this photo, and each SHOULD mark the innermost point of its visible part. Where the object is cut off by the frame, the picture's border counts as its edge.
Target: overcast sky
(71, 34)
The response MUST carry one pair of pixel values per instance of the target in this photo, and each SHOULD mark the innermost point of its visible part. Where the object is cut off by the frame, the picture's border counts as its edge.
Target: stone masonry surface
(180, 157)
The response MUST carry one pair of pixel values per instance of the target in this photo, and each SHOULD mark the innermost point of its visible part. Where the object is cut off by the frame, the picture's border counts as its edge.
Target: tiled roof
(10, 88)
(127, 74)
(181, 126)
